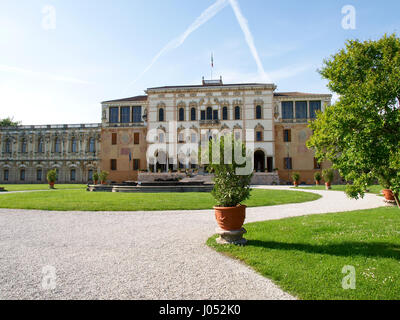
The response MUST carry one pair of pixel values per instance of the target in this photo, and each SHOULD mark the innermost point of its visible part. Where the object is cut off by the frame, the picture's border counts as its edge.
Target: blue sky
(99, 48)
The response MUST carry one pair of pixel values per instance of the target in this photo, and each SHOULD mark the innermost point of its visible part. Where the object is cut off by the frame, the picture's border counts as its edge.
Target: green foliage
(103, 176)
(96, 176)
(328, 175)
(317, 176)
(296, 176)
(52, 175)
(230, 188)
(9, 122)
(360, 134)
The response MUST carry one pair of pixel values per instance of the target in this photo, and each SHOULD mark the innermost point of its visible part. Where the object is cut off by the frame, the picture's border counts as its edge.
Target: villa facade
(132, 129)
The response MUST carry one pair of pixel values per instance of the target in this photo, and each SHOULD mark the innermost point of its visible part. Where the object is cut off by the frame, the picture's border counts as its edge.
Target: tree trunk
(396, 196)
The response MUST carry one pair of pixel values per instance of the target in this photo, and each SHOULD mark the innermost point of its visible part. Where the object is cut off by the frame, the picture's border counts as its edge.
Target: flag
(130, 156)
(212, 60)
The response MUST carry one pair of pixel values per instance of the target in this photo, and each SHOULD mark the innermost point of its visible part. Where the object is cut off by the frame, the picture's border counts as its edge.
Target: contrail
(175, 43)
(249, 37)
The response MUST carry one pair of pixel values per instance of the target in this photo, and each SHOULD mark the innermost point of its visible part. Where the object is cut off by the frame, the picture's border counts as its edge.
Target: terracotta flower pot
(51, 184)
(230, 218)
(96, 182)
(103, 182)
(296, 184)
(328, 185)
(388, 194)
(317, 183)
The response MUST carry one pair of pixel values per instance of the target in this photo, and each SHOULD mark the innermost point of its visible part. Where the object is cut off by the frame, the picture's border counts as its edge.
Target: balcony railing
(120, 125)
(209, 122)
(53, 126)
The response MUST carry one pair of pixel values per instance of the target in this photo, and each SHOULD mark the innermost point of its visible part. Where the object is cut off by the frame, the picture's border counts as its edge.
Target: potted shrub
(96, 178)
(231, 188)
(52, 177)
(328, 175)
(296, 178)
(103, 177)
(387, 192)
(317, 178)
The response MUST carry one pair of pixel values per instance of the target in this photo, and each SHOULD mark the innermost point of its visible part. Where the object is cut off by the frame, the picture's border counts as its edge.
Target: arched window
(73, 145)
(237, 113)
(258, 112)
(193, 114)
(161, 137)
(57, 145)
(161, 114)
(92, 145)
(209, 113)
(8, 146)
(40, 146)
(181, 114)
(73, 175)
(23, 146)
(225, 113)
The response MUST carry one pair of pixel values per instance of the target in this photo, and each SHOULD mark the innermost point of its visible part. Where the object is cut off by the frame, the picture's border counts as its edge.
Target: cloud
(249, 38)
(177, 42)
(49, 76)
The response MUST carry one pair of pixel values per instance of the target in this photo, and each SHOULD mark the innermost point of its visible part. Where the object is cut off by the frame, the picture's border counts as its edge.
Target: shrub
(317, 176)
(328, 175)
(52, 176)
(230, 189)
(103, 176)
(96, 176)
(296, 176)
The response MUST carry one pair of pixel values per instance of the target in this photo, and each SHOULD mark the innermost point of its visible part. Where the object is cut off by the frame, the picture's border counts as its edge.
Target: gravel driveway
(136, 255)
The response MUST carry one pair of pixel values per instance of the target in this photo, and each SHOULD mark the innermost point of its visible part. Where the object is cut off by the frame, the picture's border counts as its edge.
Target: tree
(9, 122)
(360, 133)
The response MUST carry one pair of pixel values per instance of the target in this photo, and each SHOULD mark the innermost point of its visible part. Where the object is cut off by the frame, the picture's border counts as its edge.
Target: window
(270, 163)
(161, 138)
(237, 113)
(287, 135)
(209, 113)
(40, 146)
(136, 138)
(23, 146)
(287, 110)
(72, 175)
(73, 145)
(114, 115)
(238, 135)
(314, 107)
(136, 164)
(39, 174)
(181, 138)
(113, 164)
(90, 175)
(6, 174)
(137, 114)
(125, 114)
(22, 175)
(92, 145)
(225, 113)
(57, 145)
(301, 109)
(114, 138)
(288, 163)
(8, 146)
(194, 138)
(258, 112)
(161, 114)
(193, 114)
(317, 165)
(57, 173)
(203, 115)
(259, 136)
(181, 114)
(215, 114)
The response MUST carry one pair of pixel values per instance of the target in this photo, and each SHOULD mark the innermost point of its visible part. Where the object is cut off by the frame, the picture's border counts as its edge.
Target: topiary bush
(328, 175)
(296, 177)
(230, 188)
(103, 176)
(317, 176)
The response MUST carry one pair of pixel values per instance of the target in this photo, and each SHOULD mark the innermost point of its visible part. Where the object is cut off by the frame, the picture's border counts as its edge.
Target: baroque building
(132, 129)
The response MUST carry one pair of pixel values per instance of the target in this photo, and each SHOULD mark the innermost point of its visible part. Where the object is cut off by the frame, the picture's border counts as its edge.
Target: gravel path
(137, 255)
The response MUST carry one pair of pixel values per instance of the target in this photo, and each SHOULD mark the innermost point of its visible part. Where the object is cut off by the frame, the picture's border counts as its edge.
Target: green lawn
(372, 189)
(26, 187)
(305, 255)
(64, 200)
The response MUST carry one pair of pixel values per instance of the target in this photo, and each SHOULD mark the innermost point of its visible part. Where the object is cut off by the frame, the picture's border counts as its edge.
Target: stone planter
(230, 224)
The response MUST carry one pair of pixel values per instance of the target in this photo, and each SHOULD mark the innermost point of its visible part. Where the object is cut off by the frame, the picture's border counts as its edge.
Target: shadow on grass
(345, 249)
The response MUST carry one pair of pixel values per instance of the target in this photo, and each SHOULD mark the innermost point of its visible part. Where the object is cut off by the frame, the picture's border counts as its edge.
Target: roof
(299, 94)
(213, 85)
(131, 99)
